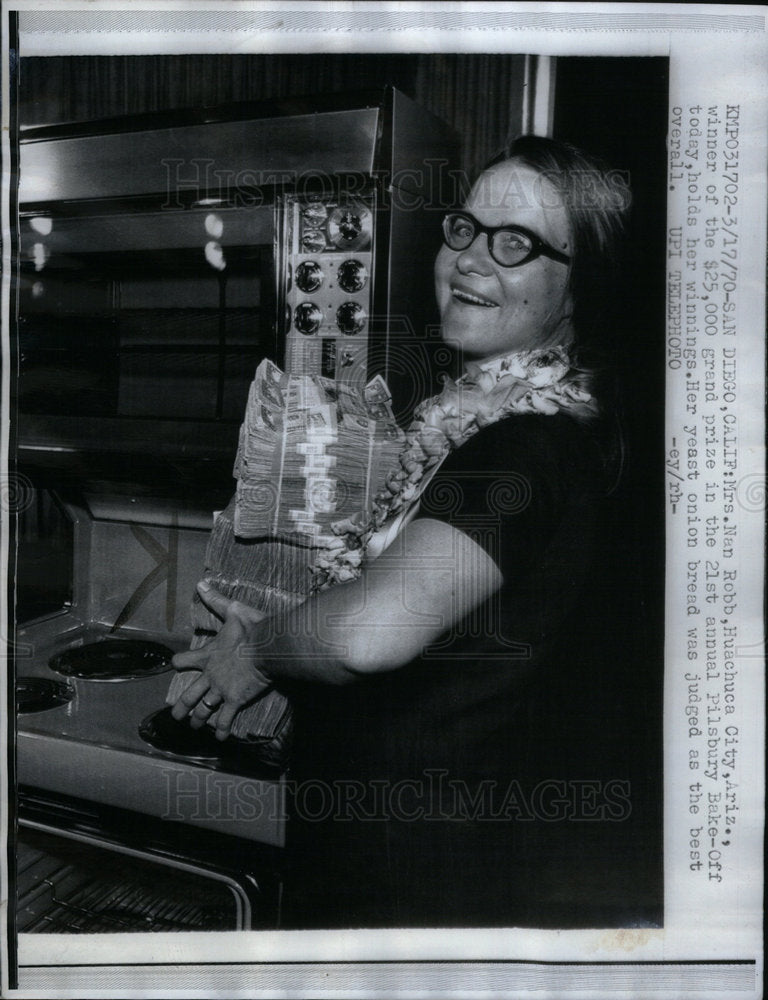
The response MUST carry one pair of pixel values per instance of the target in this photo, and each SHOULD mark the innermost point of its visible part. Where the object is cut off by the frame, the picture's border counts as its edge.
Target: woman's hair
(596, 200)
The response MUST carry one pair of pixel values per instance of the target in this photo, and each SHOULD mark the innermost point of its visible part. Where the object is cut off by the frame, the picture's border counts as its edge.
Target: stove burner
(113, 660)
(37, 694)
(161, 731)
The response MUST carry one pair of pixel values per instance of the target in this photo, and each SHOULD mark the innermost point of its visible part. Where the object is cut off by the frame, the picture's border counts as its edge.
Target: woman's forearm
(303, 644)
(429, 579)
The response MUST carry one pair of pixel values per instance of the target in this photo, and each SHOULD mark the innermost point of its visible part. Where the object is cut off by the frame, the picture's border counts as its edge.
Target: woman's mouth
(472, 299)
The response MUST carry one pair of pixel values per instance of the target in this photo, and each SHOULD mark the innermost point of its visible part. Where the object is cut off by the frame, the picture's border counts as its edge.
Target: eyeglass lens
(508, 246)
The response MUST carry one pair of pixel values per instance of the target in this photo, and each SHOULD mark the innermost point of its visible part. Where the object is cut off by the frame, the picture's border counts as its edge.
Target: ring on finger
(211, 708)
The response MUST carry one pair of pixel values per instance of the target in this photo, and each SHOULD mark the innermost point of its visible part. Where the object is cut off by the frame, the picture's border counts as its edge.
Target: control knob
(313, 240)
(350, 318)
(352, 275)
(307, 318)
(309, 276)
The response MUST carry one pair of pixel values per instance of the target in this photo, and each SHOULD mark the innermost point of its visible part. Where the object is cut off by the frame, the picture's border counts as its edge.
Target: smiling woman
(452, 765)
(487, 307)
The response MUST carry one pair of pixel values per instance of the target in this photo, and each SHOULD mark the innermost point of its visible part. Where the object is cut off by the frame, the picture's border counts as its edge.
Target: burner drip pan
(38, 694)
(113, 660)
(178, 739)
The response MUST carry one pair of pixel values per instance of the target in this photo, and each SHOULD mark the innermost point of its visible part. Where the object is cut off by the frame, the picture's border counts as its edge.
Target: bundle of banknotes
(311, 452)
(271, 576)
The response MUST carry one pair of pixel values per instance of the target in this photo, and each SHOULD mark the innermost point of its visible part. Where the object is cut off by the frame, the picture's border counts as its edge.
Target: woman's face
(488, 310)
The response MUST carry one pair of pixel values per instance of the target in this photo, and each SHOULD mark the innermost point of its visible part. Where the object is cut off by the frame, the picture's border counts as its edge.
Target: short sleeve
(514, 485)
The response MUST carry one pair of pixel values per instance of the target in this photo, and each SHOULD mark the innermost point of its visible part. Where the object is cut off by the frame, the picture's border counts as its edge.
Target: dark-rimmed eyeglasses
(509, 246)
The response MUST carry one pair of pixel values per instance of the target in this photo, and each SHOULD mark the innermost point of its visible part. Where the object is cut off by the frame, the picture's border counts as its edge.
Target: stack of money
(272, 576)
(311, 453)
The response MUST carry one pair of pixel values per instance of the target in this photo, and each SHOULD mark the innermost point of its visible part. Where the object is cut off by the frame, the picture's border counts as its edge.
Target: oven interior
(66, 886)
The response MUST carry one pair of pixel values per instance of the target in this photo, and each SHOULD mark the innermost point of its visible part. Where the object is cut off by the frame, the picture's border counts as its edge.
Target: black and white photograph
(382, 505)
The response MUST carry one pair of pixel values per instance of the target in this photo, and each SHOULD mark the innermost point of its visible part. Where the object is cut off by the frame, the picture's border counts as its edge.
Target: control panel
(326, 277)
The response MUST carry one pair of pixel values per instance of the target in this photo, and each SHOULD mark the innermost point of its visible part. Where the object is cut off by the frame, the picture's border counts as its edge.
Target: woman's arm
(427, 580)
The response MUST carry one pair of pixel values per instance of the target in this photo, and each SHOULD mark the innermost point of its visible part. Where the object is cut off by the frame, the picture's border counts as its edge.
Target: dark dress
(490, 782)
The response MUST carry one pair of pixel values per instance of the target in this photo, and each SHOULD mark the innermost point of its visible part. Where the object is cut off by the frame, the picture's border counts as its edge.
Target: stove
(93, 725)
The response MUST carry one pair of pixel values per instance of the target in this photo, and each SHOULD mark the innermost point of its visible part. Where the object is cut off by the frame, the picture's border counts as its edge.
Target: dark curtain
(479, 95)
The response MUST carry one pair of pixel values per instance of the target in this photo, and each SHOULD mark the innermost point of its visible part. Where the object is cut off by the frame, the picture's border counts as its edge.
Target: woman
(435, 694)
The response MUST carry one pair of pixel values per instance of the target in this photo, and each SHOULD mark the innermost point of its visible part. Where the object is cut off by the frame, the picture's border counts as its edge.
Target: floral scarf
(540, 381)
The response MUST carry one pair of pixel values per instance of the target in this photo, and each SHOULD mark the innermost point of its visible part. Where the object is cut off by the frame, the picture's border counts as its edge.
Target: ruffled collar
(531, 382)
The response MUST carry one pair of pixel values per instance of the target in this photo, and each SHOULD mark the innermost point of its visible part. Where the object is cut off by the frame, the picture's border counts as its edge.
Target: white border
(706, 54)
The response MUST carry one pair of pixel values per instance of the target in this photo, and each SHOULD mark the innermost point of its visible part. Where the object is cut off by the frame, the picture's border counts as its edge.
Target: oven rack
(75, 889)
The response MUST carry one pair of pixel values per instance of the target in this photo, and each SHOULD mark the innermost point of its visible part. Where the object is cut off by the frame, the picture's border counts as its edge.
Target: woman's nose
(476, 259)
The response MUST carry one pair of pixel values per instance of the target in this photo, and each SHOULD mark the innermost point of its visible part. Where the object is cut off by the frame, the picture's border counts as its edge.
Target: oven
(127, 819)
(161, 258)
(160, 262)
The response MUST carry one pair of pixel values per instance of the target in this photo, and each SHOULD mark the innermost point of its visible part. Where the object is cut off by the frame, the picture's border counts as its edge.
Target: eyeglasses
(509, 246)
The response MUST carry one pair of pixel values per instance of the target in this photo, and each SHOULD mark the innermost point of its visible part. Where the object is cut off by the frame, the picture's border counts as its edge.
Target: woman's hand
(230, 677)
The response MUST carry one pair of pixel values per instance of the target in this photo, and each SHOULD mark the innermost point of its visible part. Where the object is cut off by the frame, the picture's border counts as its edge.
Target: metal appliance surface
(133, 573)
(91, 748)
(249, 151)
(161, 258)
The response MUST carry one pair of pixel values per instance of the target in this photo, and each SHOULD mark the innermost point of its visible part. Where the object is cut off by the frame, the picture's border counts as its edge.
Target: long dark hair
(597, 200)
